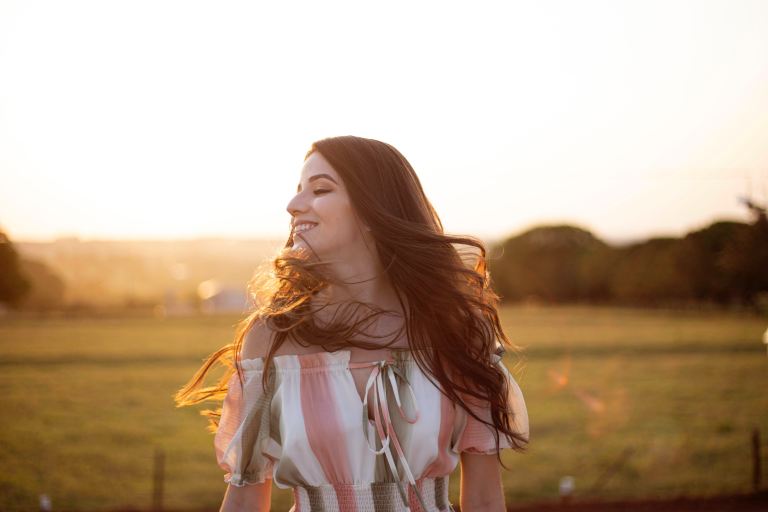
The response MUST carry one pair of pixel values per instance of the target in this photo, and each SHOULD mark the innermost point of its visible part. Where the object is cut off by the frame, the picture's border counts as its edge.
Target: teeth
(303, 227)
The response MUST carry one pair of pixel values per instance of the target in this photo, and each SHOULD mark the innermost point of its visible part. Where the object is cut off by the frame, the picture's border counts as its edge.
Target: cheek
(339, 218)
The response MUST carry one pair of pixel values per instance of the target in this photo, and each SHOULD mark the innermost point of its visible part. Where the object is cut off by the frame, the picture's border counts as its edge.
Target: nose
(296, 205)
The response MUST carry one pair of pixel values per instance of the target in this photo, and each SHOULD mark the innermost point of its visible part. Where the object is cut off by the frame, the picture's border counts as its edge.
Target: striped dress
(311, 432)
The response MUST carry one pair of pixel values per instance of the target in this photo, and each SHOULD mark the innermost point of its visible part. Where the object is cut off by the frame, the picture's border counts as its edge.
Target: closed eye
(321, 191)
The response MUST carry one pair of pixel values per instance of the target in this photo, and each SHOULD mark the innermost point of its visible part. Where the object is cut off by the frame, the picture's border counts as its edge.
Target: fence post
(567, 483)
(756, 476)
(157, 480)
(610, 470)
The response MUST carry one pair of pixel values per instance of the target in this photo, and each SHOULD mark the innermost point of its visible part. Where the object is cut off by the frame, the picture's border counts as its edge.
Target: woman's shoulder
(257, 340)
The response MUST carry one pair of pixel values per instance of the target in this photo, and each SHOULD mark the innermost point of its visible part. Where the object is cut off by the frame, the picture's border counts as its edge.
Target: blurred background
(611, 155)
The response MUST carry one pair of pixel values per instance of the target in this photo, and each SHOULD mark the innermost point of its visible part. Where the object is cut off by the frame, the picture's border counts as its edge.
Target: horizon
(617, 241)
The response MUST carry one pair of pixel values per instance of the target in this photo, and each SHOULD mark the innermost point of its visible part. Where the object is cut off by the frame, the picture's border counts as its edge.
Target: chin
(300, 247)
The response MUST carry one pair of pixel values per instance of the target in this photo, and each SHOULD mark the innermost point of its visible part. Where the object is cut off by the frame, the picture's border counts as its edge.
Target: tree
(745, 259)
(14, 285)
(550, 263)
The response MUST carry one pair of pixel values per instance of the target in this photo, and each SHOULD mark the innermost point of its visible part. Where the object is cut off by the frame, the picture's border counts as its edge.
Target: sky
(182, 119)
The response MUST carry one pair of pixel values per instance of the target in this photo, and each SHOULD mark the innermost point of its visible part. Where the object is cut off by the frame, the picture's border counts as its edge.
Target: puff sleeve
(246, 441)
(477, 437)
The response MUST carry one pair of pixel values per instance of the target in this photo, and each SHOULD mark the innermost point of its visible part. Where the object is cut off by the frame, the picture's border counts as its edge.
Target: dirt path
(757, 502)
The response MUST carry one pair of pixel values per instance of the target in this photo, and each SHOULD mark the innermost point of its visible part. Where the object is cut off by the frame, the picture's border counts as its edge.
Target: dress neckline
(322, 359)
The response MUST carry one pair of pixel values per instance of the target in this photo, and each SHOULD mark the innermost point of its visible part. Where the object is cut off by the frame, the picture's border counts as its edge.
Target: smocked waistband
(373, 497)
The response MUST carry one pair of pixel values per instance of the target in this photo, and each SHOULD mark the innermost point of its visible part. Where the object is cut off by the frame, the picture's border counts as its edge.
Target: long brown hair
(441, 282)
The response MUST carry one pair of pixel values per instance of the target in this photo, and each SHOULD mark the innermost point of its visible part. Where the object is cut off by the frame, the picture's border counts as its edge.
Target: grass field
(86, 402)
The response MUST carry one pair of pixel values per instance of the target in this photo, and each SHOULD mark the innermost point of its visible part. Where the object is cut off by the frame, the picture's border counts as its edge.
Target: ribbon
(386, 371)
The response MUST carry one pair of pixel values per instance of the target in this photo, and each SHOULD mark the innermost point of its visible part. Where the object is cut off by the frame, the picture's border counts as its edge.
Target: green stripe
(257, 426)
(441, 486)
(385, 497)
(315, 499)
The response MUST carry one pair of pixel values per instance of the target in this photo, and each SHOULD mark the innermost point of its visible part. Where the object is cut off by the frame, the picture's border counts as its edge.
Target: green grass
(86, 402)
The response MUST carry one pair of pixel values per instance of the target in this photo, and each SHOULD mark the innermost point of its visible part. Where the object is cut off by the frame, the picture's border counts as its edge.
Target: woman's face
(322, 201)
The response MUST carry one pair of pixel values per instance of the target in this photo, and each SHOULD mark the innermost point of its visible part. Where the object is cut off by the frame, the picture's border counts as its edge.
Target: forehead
(317, 164)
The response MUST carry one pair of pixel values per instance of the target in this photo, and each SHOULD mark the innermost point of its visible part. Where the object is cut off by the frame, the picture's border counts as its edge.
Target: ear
(364, 225)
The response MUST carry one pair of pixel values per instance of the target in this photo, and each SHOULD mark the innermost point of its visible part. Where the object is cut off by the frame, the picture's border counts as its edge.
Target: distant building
(218, 298)
(174, 304)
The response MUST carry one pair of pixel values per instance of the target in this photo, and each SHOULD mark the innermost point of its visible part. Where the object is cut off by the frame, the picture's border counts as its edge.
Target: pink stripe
(413, 500)
(376, 415)
(444, 463)
(321, 420)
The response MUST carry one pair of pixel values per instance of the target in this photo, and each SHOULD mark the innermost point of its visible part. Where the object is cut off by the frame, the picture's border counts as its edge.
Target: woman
(372, 360)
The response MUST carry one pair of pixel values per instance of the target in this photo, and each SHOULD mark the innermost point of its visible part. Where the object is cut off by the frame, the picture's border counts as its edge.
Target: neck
(370, 288)
(361, 279)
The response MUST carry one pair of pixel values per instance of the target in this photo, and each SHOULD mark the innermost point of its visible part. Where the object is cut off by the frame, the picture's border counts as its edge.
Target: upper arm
(250, 497)
(481, 487)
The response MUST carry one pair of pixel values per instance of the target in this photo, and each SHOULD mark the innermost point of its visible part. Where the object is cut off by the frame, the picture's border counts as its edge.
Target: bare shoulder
(257, 340)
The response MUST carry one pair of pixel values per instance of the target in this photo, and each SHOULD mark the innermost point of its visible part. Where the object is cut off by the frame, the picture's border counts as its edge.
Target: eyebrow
(317, 177)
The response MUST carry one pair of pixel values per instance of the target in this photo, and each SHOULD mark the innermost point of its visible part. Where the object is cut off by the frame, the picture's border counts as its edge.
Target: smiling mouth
(303, 229)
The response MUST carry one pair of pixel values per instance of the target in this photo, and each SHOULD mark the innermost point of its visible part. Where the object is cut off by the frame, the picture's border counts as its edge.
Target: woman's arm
(251, 497)
(481, 488)
(257, 496)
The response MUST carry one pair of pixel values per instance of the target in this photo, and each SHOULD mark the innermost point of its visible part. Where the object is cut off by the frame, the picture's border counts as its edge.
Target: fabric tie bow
(382, 373)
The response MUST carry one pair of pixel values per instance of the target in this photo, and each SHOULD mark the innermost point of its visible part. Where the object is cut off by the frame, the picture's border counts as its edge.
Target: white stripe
(362, 463)
(420, 444)
(293, 433)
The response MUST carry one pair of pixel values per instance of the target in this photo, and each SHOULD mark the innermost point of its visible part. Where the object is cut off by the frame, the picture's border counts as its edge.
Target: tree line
(723, 264)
